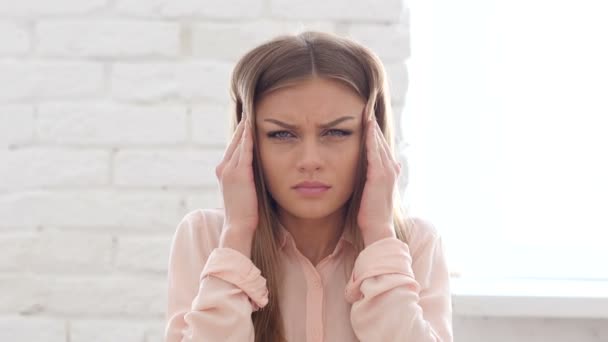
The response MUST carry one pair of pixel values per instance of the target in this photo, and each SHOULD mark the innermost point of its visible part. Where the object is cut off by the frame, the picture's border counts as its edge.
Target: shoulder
(424, 239)
(426, 248)
(423, 227)
(199, 229)
(422, 230)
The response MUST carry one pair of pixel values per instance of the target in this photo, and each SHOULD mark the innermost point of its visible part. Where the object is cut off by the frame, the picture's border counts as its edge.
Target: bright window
(506, 120)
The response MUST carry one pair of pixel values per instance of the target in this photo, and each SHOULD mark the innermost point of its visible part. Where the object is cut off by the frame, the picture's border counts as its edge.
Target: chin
(310, 209)
(303, 213)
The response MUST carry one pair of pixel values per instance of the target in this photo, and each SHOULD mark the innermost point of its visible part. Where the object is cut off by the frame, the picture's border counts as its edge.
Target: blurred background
(113, 116)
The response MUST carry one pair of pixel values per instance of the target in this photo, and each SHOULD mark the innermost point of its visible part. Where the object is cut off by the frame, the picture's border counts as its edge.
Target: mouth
(311, 184)
(311, 190)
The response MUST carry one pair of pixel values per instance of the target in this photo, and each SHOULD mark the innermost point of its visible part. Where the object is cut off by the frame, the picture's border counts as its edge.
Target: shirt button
(316, 335)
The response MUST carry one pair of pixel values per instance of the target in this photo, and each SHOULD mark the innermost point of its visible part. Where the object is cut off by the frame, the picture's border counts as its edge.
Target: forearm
(231, 288)
(388, 300)
(238, 239)
(374, 234)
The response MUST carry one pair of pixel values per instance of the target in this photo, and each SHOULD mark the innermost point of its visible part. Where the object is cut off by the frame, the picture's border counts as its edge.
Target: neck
(314, 238)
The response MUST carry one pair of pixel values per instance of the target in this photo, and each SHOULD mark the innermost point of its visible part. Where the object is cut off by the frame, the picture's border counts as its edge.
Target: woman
(312, 244)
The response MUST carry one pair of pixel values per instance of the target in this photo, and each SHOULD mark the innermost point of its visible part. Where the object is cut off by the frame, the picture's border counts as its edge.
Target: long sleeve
(210, 298)
(389, 304)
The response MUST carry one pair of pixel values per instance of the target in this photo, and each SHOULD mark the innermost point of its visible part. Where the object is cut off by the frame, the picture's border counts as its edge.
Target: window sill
(530, 298)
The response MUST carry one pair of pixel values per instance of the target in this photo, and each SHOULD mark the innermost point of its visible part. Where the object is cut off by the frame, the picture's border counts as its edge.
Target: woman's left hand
(375, 217)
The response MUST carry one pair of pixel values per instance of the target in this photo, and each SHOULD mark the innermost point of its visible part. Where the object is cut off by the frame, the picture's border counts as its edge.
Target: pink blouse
(391, 291)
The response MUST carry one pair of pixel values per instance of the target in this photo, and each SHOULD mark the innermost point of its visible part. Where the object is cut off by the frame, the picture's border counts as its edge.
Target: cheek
(350, 160)
(271, 156)
(347, 151)
(272, 166)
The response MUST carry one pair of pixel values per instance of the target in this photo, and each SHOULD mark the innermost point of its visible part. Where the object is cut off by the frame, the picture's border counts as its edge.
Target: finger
(387, 156)
(381, 151)
(373, 158)
(236, 137)
(246, 154)
(379, 148)
(234, 160)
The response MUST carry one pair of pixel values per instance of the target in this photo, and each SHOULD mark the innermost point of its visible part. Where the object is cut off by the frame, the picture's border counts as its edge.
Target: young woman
(312, 243)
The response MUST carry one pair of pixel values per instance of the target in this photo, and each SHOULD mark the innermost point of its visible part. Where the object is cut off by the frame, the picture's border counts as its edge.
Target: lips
(311, 185)
(311, 189)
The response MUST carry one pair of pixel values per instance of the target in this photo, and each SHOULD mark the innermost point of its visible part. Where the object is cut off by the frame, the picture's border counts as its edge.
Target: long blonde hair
(284, 60)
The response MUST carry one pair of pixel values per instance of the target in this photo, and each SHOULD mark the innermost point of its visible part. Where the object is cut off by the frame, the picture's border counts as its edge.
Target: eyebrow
(325, 125)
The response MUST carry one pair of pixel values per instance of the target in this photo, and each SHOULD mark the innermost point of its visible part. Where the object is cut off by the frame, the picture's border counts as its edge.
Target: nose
(309, 157)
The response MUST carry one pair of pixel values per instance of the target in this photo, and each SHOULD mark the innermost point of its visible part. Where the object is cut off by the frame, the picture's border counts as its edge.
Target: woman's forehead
(317, 96)
(321, 123)
(311, 115)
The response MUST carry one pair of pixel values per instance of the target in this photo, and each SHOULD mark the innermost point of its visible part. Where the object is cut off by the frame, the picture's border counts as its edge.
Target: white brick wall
(113, 115)
(15, 39)
(32, 80)
(107, 38)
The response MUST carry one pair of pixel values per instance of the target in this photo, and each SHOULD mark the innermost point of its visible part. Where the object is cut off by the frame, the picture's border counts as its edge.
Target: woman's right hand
(235, 176)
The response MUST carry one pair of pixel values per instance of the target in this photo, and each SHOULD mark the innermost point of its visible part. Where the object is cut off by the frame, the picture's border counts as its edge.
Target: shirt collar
(284, 236)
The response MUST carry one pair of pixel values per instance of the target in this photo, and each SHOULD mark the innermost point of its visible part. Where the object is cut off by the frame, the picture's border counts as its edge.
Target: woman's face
(296, 145)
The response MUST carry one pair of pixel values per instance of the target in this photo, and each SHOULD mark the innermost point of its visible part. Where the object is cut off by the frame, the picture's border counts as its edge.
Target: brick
(209, 39)
(19, 294)
(92, 209)
(16, 124)
(15, 247)
(155, 331)
(24, 328)
(130, 295)
(97, 330)
(72, 252)
(208, 198)
(32, 8)
(359, 10)
(192, 8)
(107, 123)
(210, 124)
(56, 252)
(143, 253)
(108, 38)
(166, 167)
(389, 42)
(127, 295)
(15, 39)
(162, 81)
(48, 80)
(42, 167)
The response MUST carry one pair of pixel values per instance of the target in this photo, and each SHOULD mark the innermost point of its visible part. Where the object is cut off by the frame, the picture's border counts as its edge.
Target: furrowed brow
(325, 125)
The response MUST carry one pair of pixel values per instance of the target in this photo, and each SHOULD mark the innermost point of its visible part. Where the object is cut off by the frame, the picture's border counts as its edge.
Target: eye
(339, 133)
(281, 135)
(284, 135)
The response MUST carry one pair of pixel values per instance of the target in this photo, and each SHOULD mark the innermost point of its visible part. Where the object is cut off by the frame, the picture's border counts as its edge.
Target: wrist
(237, 240)
(372, 235)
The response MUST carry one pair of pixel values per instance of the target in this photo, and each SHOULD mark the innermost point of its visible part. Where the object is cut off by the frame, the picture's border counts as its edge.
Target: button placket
(315, 303)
